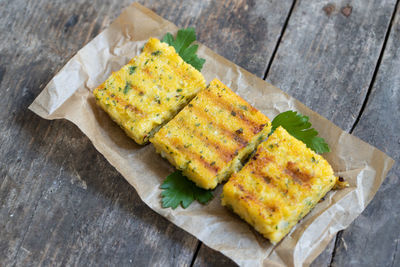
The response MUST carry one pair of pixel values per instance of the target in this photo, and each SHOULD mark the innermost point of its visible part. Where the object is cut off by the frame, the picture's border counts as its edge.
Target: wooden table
(63, 204)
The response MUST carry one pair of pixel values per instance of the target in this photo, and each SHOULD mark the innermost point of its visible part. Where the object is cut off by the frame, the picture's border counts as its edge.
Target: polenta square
(210, 137)
(149, 90)
(279, 185)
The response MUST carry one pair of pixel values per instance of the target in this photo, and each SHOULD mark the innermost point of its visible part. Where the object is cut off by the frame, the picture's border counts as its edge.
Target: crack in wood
(395, 253)
(279, 39)
(196, 252)
(371, 85)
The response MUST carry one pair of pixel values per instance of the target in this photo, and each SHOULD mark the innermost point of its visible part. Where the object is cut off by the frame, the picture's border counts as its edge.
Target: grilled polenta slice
(149, 90)
(279, 185)
(208, 139)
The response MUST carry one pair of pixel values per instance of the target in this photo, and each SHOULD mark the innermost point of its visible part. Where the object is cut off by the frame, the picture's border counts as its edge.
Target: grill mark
(148, 72)
(218, 148)
(250, 196)
(137, 89)
(226, 132)
(126, 104)
(192, 155)
(255, 127)
(298, 176)
(257, 163)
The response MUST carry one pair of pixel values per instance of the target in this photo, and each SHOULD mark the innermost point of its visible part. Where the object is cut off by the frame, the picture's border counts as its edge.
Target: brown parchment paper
(68, 96)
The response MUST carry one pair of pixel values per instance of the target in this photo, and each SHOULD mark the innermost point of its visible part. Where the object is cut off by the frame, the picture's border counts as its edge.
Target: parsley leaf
(298, 125)
(183, 47)
(177, 189)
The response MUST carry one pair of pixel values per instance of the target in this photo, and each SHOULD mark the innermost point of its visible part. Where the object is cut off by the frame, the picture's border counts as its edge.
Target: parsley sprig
(177, 189)
(299, 126)
(182, 45)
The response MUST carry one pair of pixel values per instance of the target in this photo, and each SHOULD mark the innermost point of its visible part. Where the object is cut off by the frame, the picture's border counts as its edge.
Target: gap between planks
(279, 39)
(196, 252)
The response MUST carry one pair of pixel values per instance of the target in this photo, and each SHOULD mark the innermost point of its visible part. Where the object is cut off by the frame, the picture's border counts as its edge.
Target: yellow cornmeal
(279, 185)
(210, 137)
(149, 90)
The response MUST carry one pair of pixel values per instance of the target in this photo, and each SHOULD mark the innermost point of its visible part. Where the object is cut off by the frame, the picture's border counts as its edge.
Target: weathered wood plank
(328, 55)
(326, 59)
(374, 237)
(61, 203)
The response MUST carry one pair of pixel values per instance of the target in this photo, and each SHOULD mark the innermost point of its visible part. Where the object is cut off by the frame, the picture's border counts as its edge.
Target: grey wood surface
(58, 207)
(326, 59)
(374, 238)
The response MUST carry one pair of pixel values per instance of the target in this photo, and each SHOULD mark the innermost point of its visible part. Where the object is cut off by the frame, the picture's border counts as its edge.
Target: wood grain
(61, 202)
(327, 58)
(373, 239)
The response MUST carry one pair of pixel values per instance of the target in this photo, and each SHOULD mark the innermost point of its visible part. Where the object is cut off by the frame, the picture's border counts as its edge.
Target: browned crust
(218, 148)
(251, 198)
(256, 165)
(226, 132)
(125, 104)
(221, 102)
(176, 142)
(298, 176)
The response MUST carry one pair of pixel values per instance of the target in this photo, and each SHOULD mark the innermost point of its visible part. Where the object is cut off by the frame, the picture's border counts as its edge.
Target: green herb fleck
(157, 99)
(132, 69)
(244, 107)
(127, 88)
(156, 53)
(179, 90)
